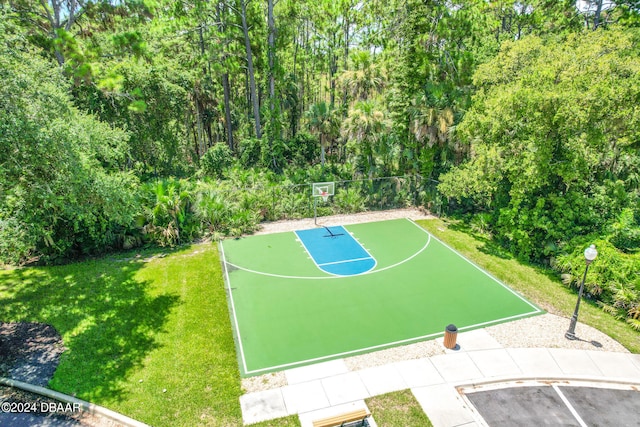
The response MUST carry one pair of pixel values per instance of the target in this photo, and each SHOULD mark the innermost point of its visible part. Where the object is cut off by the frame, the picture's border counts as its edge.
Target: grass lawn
(290, 421)
(397, 409)
(134, 328)
(137, 326)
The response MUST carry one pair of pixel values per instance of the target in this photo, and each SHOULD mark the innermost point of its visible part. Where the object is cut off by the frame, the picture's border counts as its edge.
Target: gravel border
(547, 331)
(344, 219)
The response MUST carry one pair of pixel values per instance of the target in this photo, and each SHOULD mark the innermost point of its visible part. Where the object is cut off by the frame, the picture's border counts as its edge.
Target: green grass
(540, 285)
(397, 409)
(290, 421)
(292, 321)
(134, 329)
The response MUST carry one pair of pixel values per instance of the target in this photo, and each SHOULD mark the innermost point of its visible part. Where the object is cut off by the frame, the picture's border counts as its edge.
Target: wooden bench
(339, 420)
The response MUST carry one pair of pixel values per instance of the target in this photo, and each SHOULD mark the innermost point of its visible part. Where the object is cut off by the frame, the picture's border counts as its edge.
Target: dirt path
(30, 352)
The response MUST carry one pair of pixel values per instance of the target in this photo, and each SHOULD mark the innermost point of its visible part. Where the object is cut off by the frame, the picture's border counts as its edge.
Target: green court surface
(287, 312)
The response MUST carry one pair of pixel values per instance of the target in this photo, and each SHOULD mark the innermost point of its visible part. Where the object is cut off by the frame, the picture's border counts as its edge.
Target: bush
(250, 152)
(302, 149)
(625, 232)
(211, 209)
(216, 160)
(17, 243)
(61, 191)
(612, 281)
(167, 212)
(349, 200)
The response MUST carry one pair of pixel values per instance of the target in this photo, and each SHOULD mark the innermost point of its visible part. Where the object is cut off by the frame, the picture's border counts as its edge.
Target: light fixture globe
(590, 253)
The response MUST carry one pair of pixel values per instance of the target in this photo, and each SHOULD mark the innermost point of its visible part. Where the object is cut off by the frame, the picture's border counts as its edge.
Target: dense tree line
(553, 132)
(130, 122)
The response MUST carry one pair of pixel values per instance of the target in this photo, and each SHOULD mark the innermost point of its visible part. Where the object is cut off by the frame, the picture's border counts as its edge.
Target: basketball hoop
(321, 189)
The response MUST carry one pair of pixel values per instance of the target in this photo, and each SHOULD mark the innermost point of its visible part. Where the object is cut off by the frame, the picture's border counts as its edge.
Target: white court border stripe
(378, 346)
(537, 310)
(233, 307)
(570, 406)
(408, 340)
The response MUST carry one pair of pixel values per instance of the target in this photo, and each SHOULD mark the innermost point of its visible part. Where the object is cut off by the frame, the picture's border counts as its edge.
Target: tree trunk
(333, 68)
(332, 81)
(295, 53)
(294, 108)
(252, 80)
(68, 8)
(345, 61)
(227, 111)
(225, 80)
(304, 66)
(271, 52)
(199, 126)
(205, 124)
(596, 18)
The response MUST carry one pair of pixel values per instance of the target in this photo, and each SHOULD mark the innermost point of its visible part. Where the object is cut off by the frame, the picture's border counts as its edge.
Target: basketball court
(298, 298)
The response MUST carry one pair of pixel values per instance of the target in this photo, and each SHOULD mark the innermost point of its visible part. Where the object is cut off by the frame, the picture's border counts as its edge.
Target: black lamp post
(589, 255)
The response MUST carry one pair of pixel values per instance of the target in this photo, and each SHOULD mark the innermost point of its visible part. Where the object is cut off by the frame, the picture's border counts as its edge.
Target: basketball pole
(315, 214)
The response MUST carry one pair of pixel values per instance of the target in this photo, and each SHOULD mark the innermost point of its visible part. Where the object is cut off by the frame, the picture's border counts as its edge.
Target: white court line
(233, 307)
(537, 310)
(282, 276)
(346, 260)
(345, 353)
(516, 316)
(240, 347)
(374, 347)
(570, 406)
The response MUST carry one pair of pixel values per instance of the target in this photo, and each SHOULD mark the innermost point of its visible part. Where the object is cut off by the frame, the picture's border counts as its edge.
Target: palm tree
(211, 208)
(168, 211)
(323, 121)
(364, 79)
(429, 123)
(365, 127)
(432, 124)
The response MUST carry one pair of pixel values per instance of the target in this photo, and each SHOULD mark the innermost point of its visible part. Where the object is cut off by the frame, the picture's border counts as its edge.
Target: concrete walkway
(328, 388)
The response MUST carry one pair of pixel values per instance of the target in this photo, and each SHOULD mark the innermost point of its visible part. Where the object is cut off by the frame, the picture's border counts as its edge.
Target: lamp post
(589, 255)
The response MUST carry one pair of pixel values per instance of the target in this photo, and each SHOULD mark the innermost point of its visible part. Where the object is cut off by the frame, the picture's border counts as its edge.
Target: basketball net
(325, 196)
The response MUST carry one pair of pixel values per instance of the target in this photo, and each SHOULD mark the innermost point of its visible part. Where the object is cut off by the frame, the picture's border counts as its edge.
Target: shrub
(302, 149)
(250, 151)
(62, 192)
(625, 232)
(612, 281)
(167, 211)
(349, 200)
(216, 160)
